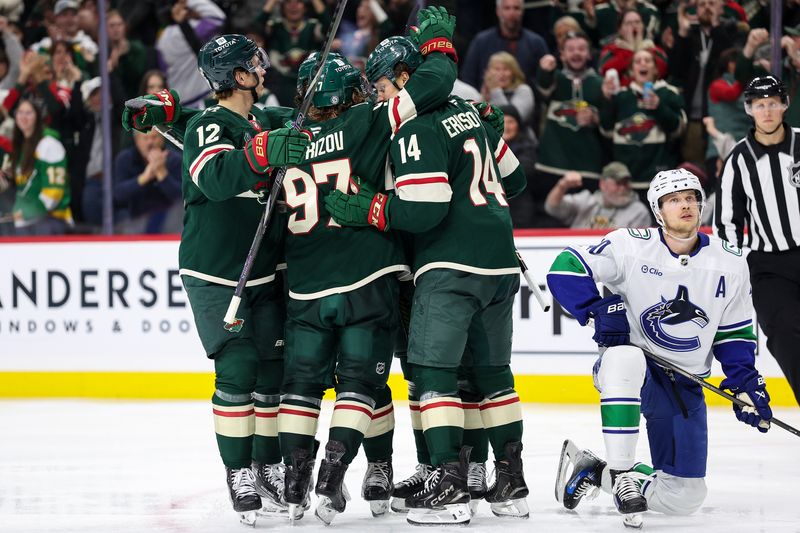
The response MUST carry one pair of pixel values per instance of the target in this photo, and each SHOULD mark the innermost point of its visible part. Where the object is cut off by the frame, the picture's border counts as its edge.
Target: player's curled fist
(282, 147)
(144, 112)
(491, 115)
(754, 393)
(611, 326)
(434, 31)
(365, 208)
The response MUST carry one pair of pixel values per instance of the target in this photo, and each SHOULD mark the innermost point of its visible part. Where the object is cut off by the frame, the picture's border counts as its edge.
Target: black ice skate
(507, 493)
(377, 486)
(408, 487)
(330, 483)
(444, 498)
(585, 478)
(269, 485)
(242, 490)
(476, 482)
(628, 497)
(297, 479)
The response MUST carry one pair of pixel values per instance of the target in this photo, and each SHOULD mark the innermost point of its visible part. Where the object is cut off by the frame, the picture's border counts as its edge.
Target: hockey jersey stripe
(402, 110)
(205, 156)
(472, 416)
(416, 418)
(298, 420)
(266, 421)
(440, 413)
(424, 188)
(382, 422)
(507, 162)
(502, 411)
(735, 326)
(234, 421)
(351, 415)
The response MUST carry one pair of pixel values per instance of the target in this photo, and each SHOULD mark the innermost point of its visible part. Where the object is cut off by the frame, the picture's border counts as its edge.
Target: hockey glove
(611, 326)
(144, 112)
(283, 147)
(753, 392)
(365, 208)
(492, 116)
(434, 32)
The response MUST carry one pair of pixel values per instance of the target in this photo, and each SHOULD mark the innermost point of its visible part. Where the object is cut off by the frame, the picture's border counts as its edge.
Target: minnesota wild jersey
(221, 211)
(643, 138)
(45, 190)
(448, 176)
(563, 137)
(322, 257)
(683, 308)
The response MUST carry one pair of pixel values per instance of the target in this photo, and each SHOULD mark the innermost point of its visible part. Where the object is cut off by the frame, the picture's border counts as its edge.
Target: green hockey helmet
(220, 57)
(338, 79)
(388, 54)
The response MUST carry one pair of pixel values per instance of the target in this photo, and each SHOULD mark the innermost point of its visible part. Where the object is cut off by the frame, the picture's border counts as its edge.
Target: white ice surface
(152, 467)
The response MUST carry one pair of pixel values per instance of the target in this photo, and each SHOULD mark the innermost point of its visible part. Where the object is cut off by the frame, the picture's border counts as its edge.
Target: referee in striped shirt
(760, 190)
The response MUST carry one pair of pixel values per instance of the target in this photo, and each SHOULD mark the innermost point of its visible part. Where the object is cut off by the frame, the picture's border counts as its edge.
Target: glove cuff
(439, 44)
(377, 211)
(256, 153)
(169, 106)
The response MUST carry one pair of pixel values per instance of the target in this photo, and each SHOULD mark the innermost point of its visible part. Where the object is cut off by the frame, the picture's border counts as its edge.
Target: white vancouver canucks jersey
(684, 309)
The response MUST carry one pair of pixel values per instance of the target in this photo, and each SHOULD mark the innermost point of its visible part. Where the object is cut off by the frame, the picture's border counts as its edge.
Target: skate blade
(453, 514)
(511, 509)
(378, 507)
(248, 518)
(324, 511)
(568, 453)
(398, 505)
(473, 506)
(633, 520)
(273, 511)
(295, 513)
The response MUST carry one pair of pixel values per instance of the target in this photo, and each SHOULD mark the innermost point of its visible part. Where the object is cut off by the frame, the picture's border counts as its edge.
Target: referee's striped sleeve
(730, 210)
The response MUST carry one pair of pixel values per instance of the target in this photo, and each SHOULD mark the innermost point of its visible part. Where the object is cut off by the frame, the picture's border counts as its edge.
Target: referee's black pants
(775, 277)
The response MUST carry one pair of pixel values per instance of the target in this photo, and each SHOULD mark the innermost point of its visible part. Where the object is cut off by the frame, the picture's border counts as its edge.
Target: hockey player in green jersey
(342, 322)
(227, 152)
(448, 173)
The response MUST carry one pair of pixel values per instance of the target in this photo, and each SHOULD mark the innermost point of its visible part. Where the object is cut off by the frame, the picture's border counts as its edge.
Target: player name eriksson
(460, 123)
(332, 142)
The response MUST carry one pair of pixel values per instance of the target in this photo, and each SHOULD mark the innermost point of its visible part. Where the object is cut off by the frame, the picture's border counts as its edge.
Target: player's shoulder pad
(50, 150)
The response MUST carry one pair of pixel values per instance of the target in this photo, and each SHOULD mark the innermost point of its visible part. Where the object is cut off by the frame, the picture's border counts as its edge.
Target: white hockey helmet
(669, 181)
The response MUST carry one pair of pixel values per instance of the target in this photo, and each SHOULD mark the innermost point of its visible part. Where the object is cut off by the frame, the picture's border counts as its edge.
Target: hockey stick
(706, 385)
(169, 134)
(230, 319)
(532, 285)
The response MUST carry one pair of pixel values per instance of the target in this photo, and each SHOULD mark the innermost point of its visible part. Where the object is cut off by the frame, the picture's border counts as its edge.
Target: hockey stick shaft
(277, 184)
(706, 385)
(532, 285)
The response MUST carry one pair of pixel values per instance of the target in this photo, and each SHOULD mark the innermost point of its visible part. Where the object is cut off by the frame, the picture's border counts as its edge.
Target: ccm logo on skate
(442, 496)
(651, 270)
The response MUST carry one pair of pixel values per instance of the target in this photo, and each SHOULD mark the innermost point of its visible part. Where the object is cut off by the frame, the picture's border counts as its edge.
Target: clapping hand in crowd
(34, 68)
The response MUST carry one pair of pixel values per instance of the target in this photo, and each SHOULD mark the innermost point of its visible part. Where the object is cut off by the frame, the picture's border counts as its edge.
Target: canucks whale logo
(679, 310)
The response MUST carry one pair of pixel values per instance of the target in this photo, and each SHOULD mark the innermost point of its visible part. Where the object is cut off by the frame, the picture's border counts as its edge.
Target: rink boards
(108, 317)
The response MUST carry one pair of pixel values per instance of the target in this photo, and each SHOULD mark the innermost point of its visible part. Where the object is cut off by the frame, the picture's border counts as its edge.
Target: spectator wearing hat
(522, 144)
(67, 28)
(573, 97)
(614, 205)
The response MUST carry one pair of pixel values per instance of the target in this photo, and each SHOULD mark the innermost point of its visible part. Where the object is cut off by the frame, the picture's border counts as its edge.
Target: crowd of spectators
(598, 95)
